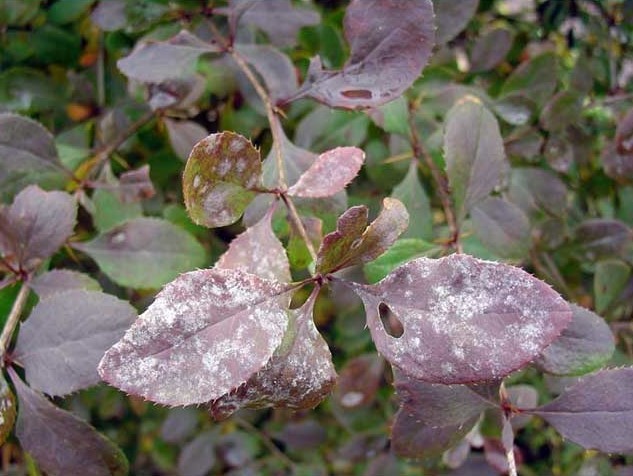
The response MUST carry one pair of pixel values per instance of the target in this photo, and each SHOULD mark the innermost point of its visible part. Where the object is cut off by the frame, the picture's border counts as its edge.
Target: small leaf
(69, 332)
(183, 136)
(403, 250)
(451, 17)
(135, 185)
(562, 109)
(60, 280)
(534, 189)
(144, 252)
(603, 238)
(390, 44)
(258, 251)
(464, 320)
(359, 381)
(584, 346)
(502, 227)
(35, 226)
(330, 173)
(597, 412)
(221, 172)
(432, 417)
(156, 62)
(7, 410)
(207, 332)
(61, 443)
(354, 242)
(180, 424)
(535, 79)
(474, 154)
(27, 155)
(413, 196)
(197, 457)
(609, 281)
(490, 49)
(299, 375)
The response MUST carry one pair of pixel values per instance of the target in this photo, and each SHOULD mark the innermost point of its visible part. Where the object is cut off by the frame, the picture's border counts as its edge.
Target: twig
(12, 320)
(296, 220)
(266, 440)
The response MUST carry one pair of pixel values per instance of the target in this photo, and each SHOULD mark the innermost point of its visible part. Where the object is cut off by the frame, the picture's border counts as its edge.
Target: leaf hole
(357, 94)
(390, 321)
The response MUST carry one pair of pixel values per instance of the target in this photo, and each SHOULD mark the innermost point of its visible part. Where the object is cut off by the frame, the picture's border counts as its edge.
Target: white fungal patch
(351, 399)
(223, 167)
(118, 238)
(196, 181)
(237, 145)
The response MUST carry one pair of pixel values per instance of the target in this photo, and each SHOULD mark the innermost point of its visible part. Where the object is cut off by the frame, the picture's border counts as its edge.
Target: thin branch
(296, 221)
(12, 320)
(249, 427)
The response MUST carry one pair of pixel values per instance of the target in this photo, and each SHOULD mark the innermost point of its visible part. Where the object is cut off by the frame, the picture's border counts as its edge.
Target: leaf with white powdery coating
(391, 41)
(464, 319)
(474, 154)
(597, 412)
(354, 242)
(219, 177)
(299, 375)
(330, 173)
(207, 332)
(61, 443)
(144, 252)
(70, 332)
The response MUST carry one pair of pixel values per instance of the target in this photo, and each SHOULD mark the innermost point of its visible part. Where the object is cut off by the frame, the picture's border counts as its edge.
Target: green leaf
(561, 110)
(535, 79)
(144, 252)
(7, 410)
(110, 211)
(400, 252)
(608, 283)
(68, 11)
(219, 177)
(411, 193)
(18, 12)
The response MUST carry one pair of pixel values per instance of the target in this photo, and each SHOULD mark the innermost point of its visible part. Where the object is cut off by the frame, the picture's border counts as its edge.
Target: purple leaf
(7, 410)
(474, 154)
(354, 242)
(144, 252)
(60, 280)
(523, 397)
(330, 173)
(451, 17)
(197, 457)
(219, 177)
(432, 417)
(390, 40)
(207, 332)
(155, 62)
(304, 435)
(180, 424)
(258, 251)
(603, 238)
(35, 226)
(65, 337)
(562, 109)
(624, 135)
(534, 79)
(464, 320)
(490, 49)
(61, 443)
(136, 185)
(28, 155)
(534, 189)
(359, 381)
(299, 375)
(584, 346)
(183, 135)
(597, 412)
(617, 165)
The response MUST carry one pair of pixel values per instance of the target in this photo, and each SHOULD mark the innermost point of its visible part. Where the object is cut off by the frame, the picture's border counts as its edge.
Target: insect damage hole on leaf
(390, 321)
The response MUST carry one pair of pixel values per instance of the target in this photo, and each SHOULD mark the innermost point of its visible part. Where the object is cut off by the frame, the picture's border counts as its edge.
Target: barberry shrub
(453, 289)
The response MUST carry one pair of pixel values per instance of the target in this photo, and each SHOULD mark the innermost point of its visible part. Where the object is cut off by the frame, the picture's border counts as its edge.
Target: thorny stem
(12, 320)
(419, 151)
(296, 221)
(266, 440)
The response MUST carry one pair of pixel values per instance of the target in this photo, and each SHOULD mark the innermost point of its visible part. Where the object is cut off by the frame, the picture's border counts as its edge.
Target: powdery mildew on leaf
(359, 381)
(464, 319)
(258, 251)
(207, 332)
(221, 171)
(330, 173)
(299, 375)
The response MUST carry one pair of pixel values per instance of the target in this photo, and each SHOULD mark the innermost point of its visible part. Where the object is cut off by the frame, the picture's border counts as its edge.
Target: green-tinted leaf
(110, 211)
(7, 410)
(67, 11)
(29, 90)
(563, 109)
(393, 117)
(218, 178)
(144, 252)
(474, 154)
(18, 12)
(58, 45)
(400, 252)
(534, 190)
(608, 283)
(412, 194)
(535, 79)
(60, 280)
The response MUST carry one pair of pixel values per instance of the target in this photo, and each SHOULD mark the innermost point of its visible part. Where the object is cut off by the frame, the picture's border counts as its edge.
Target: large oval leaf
(464, 319)
(206, 333)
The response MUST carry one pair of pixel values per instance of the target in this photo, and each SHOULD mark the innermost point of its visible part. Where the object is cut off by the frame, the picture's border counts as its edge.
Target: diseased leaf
(354, 242)
(7, 410)
(299, 375)
(258, 251)
(535, 79)
(585, 345)
(219, 177)
(451, 17)
(69, 332)
(413, 196)
(502, 227)
(330, 173)
(207, 332)
(432, 417)
(534, 189)
(391, 41)
(135, 185)
(624, 135)
(403, 250)
(463, 319)
(27, 155)
(197, 457)
(183, 135)
(490, 49)
(609, 281)
(359, 381)
(616, 165)
(58, 281)
(144, 252)
(61, 443)
(474, 154)
(603, 238)
(35, 226)
(597, 412)
(156, 62)
(109, 211)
